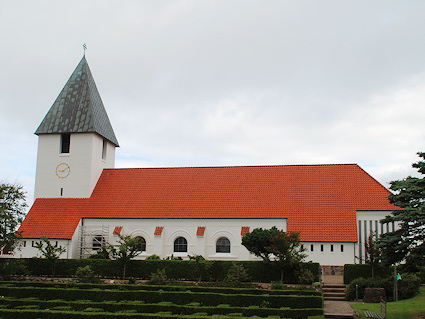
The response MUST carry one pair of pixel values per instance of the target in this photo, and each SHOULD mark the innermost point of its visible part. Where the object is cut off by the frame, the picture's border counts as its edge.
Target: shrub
(352, 272)
(86, 274)
(153, 257)
(408, 287)
(277, 285)
(236, 275)
(305, 276)
(158, 278)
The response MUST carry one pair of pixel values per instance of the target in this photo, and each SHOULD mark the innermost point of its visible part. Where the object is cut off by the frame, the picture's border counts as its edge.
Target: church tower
(75, 140)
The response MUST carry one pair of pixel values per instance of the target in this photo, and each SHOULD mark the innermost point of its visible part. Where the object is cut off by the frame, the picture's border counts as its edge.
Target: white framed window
(222, 245)
(180, 245)
(65, 143)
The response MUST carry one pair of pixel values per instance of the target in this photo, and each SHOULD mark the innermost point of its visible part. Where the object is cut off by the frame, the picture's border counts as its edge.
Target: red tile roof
(319, 201)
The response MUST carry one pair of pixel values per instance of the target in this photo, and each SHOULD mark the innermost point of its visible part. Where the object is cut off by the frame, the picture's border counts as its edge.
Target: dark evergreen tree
(12, 212)
(406, 243)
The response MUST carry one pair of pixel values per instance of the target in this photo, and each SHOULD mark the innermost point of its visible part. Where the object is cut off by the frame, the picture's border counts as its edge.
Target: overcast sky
(218, 83)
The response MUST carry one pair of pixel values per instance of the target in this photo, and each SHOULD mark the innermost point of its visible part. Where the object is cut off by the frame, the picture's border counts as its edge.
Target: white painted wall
(333, 254)
(367, 223)
(27, 249)
(84, 159)
(173, 228)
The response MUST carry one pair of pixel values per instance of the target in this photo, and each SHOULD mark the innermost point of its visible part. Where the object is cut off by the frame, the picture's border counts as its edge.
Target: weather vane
(85, 48)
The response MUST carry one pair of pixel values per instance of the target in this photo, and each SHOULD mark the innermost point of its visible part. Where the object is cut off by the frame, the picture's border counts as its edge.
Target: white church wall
(330, 253)
(27, 248)
(82, 178)
(368, 222)
(163, 245)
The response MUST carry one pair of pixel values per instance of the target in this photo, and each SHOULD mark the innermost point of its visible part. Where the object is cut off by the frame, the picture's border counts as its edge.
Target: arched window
(222, 245)
(98, 242)
(142, 243)
(180, 245)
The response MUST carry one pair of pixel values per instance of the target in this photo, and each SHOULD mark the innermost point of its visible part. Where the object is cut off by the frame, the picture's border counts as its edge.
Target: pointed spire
(78, 108)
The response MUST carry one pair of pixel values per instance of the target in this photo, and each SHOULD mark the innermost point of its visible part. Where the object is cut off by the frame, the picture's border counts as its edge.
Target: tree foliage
(406, 243)
(258, 241)
(282, 248)
(12, 212)
(49, 251)
(128, 247)
(373, 252)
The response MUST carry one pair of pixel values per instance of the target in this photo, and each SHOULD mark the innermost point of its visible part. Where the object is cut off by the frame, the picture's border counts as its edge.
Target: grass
(405, 309)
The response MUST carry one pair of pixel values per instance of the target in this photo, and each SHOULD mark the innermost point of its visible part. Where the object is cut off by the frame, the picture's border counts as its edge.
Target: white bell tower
(75, 140)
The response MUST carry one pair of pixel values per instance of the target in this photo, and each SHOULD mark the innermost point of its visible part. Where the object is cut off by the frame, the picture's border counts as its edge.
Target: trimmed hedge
(48, 314)
(354, 271)
(408, 287)
(224, 290)
(181, 297)
(175, 269)
(153, 308)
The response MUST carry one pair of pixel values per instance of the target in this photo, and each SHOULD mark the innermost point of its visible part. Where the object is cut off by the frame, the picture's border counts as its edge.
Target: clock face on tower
(63, 170)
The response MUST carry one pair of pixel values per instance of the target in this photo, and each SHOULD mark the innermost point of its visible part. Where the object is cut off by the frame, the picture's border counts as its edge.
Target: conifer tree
(406, 243)
(12, 212)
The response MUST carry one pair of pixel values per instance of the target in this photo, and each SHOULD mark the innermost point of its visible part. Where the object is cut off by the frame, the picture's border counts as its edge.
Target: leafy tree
(49, 251)
(12, 212)
(202, 265)
(285, 248)
(373, 252)
(258, 241)
(128, 248)
(102, 253)
(408, 242)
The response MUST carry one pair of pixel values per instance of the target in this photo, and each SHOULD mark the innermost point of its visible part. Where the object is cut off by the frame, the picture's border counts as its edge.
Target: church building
(83, 202)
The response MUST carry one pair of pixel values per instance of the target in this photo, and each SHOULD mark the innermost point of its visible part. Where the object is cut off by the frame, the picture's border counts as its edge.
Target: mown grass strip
(405, 309)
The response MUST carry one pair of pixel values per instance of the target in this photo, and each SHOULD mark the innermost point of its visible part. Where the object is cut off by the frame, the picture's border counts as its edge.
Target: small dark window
(105, 144)
(311, 247)
(98, 242)
(332, 248)
(25, 243)
(321, 248)
(65, 143)
(142, 243)
(180, 245)
(342, 248)
(222, 245)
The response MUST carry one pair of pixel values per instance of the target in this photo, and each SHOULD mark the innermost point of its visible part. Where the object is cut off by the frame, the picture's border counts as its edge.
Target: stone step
(334, 298)
(338, 316)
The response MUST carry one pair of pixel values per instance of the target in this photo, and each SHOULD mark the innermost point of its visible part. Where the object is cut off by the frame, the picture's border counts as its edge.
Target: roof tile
(309, 196)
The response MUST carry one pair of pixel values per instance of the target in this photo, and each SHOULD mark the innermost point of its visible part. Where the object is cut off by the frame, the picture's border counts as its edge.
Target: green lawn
(405, 309)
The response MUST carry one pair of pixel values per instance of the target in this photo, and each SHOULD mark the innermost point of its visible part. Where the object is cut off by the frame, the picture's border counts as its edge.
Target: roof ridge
(231, 166)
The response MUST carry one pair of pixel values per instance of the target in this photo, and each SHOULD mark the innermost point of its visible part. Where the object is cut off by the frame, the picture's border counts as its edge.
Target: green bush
(86, 274)
(237, 275)
(408, 287)
(277, 285)
(158, 278)
(354, 271)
